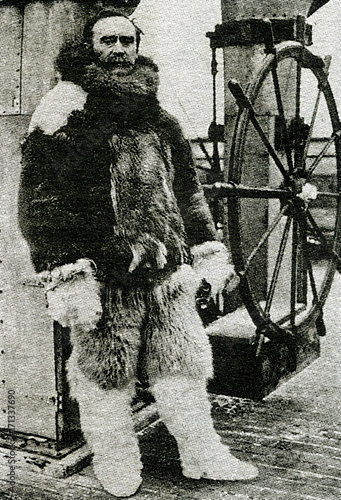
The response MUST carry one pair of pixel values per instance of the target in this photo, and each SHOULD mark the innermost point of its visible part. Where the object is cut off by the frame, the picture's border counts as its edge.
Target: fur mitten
(73, 295)
(211, 262)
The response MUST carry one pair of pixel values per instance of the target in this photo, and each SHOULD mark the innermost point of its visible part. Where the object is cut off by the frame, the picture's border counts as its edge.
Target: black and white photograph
(170, 249)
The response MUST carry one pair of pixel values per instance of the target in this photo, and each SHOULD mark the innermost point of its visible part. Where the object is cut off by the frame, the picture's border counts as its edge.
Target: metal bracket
(298, 132)
(253, 31)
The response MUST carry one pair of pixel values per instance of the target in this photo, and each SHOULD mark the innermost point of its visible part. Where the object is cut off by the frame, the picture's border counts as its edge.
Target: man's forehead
(116, 25)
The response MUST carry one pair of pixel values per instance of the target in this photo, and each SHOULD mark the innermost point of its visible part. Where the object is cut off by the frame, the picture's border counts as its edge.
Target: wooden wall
(30, 38)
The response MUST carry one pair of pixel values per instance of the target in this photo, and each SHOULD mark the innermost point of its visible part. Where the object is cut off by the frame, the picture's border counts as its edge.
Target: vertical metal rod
(297, 154)
(293, 283)
(216, 170)
(302, 281)
(22, 14)
(214, 71)
(300, 36)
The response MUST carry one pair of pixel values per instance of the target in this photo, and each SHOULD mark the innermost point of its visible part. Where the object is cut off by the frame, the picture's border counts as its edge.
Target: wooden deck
(294, 436)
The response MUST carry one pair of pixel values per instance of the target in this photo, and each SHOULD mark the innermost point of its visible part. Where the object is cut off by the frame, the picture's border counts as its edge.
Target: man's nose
(118, 48)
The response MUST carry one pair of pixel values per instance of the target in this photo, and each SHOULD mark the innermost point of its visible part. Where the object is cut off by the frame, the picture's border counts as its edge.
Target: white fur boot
(107, 425)
(184, 408)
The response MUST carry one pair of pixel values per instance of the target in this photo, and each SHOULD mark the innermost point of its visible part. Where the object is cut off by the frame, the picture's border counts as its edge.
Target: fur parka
(108, 175)
(109, 179)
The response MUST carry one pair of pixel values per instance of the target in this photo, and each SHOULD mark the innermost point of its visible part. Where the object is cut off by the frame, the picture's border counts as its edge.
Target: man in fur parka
(122, 237)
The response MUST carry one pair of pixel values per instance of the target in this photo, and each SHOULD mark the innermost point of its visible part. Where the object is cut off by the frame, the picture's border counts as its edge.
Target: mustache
(115, 60)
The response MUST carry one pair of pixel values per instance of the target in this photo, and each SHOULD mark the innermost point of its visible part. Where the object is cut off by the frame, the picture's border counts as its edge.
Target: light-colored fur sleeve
(56, 106)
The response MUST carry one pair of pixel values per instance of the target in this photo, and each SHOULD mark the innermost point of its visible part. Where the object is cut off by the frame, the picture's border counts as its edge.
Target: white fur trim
(211, 261)
(59, 275)
(207, 249)
(73, 295)
(56, 106)
(184, 278)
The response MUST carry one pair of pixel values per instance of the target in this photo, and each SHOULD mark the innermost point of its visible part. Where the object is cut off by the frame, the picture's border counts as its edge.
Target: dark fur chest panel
(142, 191)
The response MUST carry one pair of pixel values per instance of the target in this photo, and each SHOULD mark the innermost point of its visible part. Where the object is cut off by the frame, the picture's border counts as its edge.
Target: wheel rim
(285, 280)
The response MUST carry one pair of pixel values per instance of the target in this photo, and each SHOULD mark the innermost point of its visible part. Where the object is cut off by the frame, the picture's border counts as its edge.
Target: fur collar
(126, 97)
(142, 79)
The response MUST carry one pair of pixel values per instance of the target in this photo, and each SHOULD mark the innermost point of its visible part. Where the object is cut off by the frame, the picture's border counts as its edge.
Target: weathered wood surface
(46, 26)
(10, 59)
(237, 9)
(298, 460)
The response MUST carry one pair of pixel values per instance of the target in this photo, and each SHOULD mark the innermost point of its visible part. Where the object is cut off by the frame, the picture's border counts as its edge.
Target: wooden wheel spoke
(327, 194)
(244, 103)
(320, 156)
(230, 189)
(308, 265)
(312, 282)
(327, 62)
(281, 114)
(264, 238)
(278, 264)
(204, 150)
(318, 232)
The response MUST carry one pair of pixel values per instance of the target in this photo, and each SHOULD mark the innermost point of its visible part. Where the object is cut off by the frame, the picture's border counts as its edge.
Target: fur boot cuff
(211, 261)
(73, 295)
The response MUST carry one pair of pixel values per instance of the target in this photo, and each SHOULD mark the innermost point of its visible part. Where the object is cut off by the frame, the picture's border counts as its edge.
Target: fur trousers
(156, 328)
(178, 361)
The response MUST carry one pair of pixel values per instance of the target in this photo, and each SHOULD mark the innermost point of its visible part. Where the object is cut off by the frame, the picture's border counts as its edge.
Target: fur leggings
(182, 403)
(107, 425)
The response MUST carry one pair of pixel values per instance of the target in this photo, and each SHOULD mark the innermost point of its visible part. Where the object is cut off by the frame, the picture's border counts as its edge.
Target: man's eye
(127, 40)
(109, 40)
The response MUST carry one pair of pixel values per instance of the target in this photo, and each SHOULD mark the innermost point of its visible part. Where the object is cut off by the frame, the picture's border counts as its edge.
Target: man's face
(114, 41)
